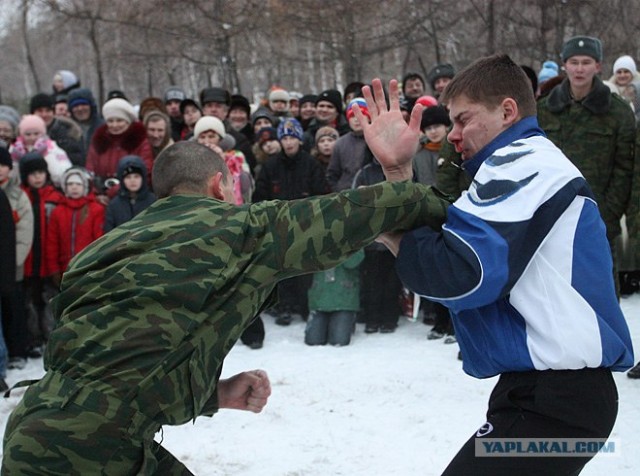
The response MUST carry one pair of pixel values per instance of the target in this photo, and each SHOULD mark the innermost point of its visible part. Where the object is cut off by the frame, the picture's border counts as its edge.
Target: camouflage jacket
(450, 175)
(148, 312)
(597, 134)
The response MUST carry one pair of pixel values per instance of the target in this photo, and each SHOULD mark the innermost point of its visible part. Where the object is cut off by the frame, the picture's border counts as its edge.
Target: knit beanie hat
(362, 104)
(32, 162)
(625, 62)
(189, 102)
(308, 98)
(262, 112)
(30, 122)
(174, 93)
(5, 158)
(548, 71)
(120, 109)
(326, 131)
(427, 101)
(116, 93)
(67, 77)
(266, 134)
(436, 115)
(72, 174)
(290, 127)
(81, 96)
(333, 96)
(7, 116)
(209, 123)
(41, 100)
(582, 45)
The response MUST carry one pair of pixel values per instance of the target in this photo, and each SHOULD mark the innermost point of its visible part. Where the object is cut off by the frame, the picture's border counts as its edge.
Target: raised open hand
(390, 139)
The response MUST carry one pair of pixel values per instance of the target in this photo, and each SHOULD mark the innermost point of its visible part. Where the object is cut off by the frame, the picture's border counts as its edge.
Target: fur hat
(174, 93)
(582, 45)
(362, 104)
(41, 100)
(5, 158)
(332, 96)
(434, 115)
(444, 70)
(119, 108)
(209, 123)
(219, 95)
(625, 62)
(32, 162)
(290, 127)
(31, 122)
(150, 104)
(238, 101)
(279, 94)
(327, 131)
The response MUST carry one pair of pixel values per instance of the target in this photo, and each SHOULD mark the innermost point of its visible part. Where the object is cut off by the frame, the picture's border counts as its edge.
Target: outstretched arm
(388, 136)
(245, 391)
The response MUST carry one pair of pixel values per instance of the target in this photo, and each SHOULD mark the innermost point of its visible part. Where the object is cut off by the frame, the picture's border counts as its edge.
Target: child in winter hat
(548, 71)
(362, 104)
(290, 127)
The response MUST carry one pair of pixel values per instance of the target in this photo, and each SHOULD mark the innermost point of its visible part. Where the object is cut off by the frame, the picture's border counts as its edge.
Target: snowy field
(388, 404)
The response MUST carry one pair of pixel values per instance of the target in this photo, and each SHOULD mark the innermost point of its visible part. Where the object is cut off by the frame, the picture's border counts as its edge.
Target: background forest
(247, 46)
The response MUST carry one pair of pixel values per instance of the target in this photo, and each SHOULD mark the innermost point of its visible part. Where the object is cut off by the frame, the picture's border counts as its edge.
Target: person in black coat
(134, 194)
(7, 272)
(291, 174)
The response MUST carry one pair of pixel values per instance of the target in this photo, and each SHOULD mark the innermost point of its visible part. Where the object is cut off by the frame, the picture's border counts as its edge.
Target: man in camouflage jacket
(594, 128)
(147, 314)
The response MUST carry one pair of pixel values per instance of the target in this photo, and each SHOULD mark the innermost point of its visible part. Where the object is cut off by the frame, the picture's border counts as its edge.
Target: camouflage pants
(61, 428)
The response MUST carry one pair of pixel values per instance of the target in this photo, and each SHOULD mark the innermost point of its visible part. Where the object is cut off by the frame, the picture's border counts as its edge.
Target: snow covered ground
(388, 404)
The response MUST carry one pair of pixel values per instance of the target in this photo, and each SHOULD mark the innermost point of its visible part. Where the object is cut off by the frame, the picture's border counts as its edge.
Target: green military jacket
(597, 134)
(148, 312)
(450, 176)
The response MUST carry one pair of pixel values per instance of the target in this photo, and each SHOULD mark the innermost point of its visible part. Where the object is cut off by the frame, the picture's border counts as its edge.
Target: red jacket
(107, 149)
(49, 197)
(74, 224)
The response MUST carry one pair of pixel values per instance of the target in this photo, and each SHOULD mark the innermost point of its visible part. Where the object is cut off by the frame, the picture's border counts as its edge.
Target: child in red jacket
(75, 223)
(36, 183)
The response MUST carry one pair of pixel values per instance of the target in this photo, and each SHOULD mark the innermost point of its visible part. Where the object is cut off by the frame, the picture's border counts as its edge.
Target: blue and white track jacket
(523, 264)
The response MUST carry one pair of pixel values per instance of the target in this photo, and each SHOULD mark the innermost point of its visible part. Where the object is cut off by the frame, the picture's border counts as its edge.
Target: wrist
(398, 174)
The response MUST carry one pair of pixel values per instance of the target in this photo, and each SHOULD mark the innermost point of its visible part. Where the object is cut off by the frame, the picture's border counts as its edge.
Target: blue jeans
(334, 327)
(3, 350)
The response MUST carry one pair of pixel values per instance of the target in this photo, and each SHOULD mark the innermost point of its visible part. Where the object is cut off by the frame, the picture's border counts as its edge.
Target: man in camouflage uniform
(148, 312)
(594, 128)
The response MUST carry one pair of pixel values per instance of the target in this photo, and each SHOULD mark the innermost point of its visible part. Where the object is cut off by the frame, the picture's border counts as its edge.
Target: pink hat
(31, 122)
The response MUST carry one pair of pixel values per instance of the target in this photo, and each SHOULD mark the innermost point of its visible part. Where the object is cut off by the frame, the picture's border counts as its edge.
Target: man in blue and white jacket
(524, 266)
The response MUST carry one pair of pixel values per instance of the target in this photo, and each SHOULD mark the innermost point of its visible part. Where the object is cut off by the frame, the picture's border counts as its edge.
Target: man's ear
(510, 111)
(214, 186)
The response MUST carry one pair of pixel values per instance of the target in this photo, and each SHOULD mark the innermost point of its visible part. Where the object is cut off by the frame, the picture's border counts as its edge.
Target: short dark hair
(411, 76)
(489, 81)
(186, 167)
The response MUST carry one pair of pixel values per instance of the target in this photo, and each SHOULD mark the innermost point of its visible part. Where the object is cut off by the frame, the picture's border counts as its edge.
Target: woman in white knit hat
(122, 134)
(624, 72)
